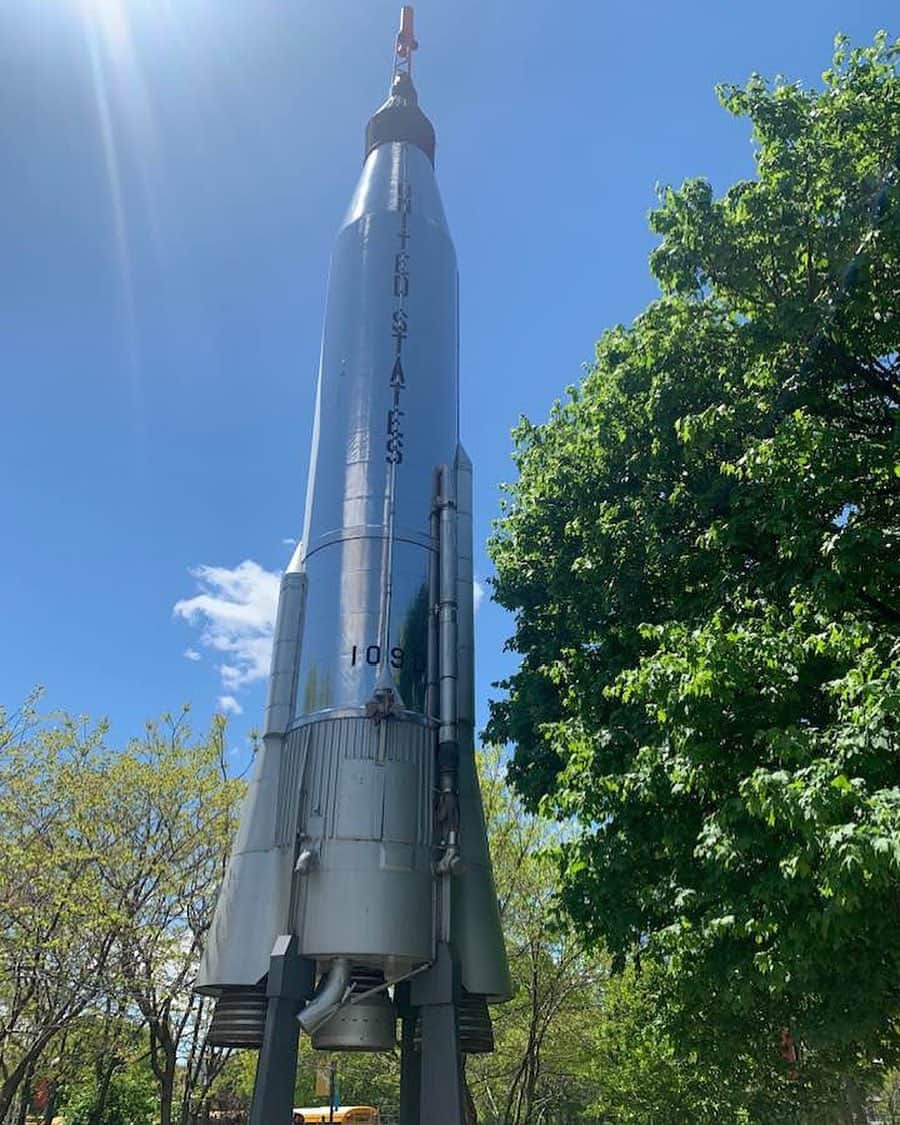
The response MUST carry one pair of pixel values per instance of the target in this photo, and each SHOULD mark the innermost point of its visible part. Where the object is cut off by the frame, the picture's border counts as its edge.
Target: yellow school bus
(351, 1114)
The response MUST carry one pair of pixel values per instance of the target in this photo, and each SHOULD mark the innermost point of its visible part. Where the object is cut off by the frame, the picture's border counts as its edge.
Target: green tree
(543, 1035)
(130, 1097)
(81, 1064)
(888, 1104)
(109, 861)
(640, 1073)
(174, 807)
(57, 924)
(364, 1078)
(702, 553)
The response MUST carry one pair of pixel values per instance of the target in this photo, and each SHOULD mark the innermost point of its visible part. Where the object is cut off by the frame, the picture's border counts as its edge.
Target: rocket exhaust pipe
(328, 997)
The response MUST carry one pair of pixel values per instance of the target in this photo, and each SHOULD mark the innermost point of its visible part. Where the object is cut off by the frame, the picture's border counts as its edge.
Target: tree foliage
(702, 553)
(642, 1069)
(109, 862)
(56, 921)
(543, 1034)
(131, 1098)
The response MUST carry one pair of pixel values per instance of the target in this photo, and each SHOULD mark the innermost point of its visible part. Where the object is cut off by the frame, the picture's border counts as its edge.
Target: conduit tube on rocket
(448, 739)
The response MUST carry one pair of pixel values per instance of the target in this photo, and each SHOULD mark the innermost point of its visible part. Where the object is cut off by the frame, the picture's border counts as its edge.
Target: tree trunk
(167, 1087)
(25, 1093)
(189, 1116)
(16, 1076)
(8, 1092)
(50, 1111)
(163, 1063)
(107, 1072)
(854, 1108)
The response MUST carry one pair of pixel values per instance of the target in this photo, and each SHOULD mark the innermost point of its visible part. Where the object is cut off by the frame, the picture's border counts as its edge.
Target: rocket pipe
(448, 735)
(328, 997)
(447, 609)
(432, 701)
(333, 994)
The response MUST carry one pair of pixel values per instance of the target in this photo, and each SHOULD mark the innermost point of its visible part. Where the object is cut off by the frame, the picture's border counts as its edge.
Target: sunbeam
(114, 183)
(111, 18)
(128, 141)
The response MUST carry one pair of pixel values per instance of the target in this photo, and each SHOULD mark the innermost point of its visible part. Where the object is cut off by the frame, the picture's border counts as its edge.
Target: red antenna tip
(406, 39)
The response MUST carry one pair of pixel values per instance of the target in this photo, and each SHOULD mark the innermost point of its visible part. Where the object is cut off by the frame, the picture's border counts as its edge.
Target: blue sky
(174, 172)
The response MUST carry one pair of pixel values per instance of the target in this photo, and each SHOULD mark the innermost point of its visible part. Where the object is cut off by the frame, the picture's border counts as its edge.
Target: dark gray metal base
(410, 1072)
(291, 979)
(432, 1082)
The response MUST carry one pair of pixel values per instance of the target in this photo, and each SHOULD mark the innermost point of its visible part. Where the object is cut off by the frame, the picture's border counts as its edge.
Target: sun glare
(110, 17)
(123, 117)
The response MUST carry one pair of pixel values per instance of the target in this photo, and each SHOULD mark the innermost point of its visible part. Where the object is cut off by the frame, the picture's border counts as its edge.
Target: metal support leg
(291, 979)
(410, 1072)
(435, 995)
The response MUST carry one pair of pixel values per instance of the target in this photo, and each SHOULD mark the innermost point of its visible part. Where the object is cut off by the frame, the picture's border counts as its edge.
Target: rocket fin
(254, 899)
(476, 929)
(254, 902)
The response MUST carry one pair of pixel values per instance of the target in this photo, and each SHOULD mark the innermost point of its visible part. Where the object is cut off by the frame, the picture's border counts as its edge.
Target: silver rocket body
(339, 843)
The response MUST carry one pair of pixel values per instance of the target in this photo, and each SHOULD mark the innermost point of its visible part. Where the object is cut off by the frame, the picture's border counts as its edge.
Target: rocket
(362, 835)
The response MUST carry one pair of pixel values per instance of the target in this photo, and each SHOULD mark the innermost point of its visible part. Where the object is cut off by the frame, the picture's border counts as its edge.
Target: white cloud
(228, 705)
(235, 611)
(479, 592)
(289, 542)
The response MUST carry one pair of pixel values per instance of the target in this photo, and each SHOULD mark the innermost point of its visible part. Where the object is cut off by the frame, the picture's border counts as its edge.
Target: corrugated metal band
(239, 1019)
(476, 1034)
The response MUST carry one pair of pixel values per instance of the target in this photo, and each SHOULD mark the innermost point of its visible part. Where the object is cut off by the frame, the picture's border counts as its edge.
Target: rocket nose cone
(401, 119)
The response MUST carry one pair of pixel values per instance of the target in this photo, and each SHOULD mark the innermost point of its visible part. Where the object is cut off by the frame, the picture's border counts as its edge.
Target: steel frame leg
(291, 979)
(431, 1079)
(410, 1071)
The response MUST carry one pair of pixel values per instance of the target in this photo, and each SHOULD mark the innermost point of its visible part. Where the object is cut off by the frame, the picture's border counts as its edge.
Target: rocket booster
(362, 831)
